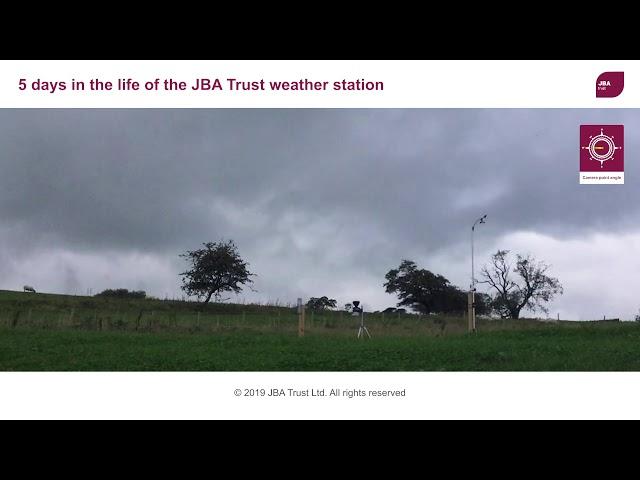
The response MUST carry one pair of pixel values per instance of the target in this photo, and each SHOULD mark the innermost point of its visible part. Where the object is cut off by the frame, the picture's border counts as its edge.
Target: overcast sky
(319, 202)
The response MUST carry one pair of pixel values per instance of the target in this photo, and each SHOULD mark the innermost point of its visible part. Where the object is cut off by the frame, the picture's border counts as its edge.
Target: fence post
(470, 313)
(300, 318)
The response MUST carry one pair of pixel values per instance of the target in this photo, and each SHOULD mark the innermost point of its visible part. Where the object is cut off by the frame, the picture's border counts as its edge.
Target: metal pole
(472, 310)
(472, 259)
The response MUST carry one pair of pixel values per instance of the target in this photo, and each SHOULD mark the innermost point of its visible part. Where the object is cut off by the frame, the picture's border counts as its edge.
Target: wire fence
(285, 320)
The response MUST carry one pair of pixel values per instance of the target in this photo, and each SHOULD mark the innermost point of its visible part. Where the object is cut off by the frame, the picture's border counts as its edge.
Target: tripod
(363, 329)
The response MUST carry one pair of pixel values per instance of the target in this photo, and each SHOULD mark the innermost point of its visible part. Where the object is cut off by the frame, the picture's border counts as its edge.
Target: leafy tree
(321, 303)
(525, 285)
(215, 269)
(424, 291)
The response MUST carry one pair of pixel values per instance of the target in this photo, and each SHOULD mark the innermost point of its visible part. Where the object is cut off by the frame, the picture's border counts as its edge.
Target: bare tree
(530, 287)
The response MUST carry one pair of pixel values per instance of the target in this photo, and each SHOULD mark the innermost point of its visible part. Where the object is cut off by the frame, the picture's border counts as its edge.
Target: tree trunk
(209, 297)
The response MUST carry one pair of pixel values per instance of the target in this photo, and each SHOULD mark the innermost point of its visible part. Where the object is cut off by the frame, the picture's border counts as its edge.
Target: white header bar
(322, 84)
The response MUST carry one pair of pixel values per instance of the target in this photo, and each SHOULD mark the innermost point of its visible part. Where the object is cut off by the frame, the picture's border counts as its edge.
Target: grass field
(61, 333)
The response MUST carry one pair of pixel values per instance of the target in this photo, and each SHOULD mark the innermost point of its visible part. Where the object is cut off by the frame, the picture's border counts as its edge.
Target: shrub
(122, 293)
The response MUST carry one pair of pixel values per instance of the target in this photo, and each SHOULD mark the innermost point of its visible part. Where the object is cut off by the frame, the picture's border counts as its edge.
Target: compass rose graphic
(602, 147)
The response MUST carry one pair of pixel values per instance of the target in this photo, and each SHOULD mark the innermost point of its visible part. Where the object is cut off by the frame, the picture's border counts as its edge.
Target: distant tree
(321, 303)
(525, 285)
(348, 307)
(215, 269)
(122, 293)
(424, 291)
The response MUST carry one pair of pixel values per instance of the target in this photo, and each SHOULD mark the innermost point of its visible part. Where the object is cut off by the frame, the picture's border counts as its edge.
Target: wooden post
(300, 318)
(472, 323)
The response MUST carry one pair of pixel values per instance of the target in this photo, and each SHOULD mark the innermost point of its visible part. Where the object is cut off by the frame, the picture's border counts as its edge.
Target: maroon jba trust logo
(610, 84)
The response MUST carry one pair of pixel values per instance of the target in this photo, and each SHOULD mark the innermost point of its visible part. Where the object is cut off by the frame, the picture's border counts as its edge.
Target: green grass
(601, 348)
(67, 333)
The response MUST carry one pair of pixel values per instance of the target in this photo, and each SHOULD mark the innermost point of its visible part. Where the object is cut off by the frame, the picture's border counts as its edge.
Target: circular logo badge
(601, 147)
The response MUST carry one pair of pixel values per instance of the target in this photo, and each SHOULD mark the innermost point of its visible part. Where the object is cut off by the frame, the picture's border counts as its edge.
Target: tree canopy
(215, 269)
(321, 303)
(424, 291)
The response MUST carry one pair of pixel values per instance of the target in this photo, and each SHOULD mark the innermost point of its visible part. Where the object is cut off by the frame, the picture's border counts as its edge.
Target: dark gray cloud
(319, 201)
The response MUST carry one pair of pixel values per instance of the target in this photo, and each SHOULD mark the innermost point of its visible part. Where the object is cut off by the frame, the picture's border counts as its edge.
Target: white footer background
(213, 395)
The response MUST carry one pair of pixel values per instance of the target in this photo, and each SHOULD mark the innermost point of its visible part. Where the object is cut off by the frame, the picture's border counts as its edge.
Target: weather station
(472, 292)
(359, 311)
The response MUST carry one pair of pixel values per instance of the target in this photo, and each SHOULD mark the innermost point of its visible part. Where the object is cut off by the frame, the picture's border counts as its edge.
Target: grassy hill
(40, 332)
(47, 311)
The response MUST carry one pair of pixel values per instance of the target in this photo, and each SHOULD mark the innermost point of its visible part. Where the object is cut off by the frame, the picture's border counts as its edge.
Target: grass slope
(610, 348)
(40, 332)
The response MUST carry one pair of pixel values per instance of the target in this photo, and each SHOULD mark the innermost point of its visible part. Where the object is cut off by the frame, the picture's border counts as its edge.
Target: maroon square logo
(609, 84)
(602, 148)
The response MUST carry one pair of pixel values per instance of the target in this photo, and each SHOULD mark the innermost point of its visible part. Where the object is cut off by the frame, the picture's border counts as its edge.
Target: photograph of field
(314, 240)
